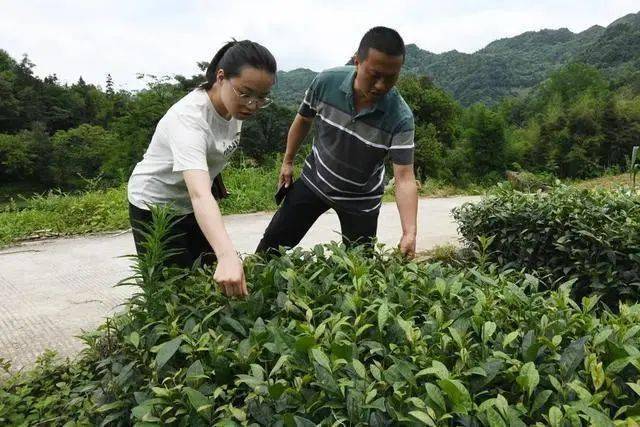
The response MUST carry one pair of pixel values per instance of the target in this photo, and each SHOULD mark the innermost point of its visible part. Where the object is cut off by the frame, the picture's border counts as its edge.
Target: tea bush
(590, 235)
(335, 337)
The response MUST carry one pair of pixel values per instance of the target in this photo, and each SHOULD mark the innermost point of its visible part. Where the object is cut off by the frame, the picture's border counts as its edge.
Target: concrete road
(52, 290)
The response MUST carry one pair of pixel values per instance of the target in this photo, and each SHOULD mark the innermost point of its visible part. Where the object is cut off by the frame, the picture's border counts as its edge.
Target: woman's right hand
(229, 275)
(286, 174)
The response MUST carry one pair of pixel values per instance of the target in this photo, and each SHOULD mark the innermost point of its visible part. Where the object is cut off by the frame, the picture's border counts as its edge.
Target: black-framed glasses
(249, 100)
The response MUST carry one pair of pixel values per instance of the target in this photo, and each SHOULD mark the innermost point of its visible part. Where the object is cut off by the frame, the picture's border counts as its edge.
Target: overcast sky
(73, 38)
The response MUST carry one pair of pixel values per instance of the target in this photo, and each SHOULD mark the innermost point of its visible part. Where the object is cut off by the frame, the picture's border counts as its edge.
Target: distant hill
(291, 85)
(508, 66)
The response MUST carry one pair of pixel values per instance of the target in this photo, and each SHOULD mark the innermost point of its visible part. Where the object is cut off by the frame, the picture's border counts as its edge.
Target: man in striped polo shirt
(360, 118)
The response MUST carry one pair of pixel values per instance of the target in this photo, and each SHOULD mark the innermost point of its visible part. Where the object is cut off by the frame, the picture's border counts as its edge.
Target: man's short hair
(382, 39)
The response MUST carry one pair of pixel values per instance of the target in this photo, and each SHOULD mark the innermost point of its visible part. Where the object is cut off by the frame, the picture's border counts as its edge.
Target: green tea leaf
(110, 406)
(435, 395)
(359, 368)
(631, 333)
(237, 413)
(160, 391)
(458, 395)
(457, 338)
(406, 326)
(555, 416)
(134, 338)
(582, 393)
(235, 325)
(530, 346)
(509, 338)
(383, 316)
(528, 378)
(423, 417)
(303, 422)
(281, 361)
(378, 404)
(487, 331)
(321, 358)
(597, 375)
(494, 418)
(166, 351)
(437, 368)
(597, 418)
(276, 390)
(617, 365)
(196, 399)
(320, 331)
(540, 400)
(375, 372)
(370, 396)
(572, 356)
(635, 387)
(502, 404)
(194, 371)
(555, 383)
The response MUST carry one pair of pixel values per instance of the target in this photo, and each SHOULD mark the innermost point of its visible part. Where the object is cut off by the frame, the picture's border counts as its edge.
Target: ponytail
(236, 54)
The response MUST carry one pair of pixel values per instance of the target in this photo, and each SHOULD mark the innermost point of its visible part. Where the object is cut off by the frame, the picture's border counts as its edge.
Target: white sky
(73, 38)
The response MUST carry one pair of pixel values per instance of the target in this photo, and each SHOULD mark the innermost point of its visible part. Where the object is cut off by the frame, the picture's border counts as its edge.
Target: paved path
(52, 290)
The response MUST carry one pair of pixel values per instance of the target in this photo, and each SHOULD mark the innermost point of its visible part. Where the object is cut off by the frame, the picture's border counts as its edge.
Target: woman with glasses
(191, 145)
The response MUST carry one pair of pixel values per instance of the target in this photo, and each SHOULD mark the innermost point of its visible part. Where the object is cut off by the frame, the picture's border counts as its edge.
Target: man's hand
(286, 174)
(407, 201)
(408, 245)
(297, 132)
(229, 275)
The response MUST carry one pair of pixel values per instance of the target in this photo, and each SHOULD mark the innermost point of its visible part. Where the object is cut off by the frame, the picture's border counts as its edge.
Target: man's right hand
(229, 275)
(286, 174)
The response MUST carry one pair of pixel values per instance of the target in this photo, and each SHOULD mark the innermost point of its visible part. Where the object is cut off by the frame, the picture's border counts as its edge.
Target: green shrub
(590, 235)
(429, 157)
(335, 338)
(80, 152)
(635, 166)
(528, 181)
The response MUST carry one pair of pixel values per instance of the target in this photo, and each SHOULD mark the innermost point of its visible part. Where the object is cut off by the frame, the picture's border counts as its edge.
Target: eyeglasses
(249, 100)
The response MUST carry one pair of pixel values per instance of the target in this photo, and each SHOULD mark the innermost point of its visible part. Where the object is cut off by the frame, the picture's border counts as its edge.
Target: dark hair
(383, 39)
(236, 54)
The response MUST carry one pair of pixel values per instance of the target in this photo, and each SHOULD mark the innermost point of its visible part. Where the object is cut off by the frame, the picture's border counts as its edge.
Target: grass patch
(607, 182)
(57, 213)
(18, 192)
(438, 188)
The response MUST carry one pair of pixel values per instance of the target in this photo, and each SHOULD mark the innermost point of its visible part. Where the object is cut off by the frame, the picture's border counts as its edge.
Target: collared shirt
(346, 166)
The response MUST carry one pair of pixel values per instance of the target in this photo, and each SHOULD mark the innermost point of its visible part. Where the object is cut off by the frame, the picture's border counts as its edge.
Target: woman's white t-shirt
(191, 135)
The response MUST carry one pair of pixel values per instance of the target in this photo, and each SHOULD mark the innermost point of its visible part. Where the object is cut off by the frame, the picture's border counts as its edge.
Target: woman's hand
(229, 275)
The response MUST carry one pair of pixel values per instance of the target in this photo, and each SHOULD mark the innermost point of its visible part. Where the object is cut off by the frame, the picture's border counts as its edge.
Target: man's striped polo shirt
(346, 166)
